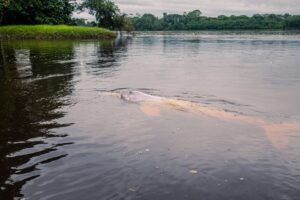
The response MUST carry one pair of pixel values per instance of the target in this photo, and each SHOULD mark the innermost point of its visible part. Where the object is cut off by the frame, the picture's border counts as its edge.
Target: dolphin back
(137, 96)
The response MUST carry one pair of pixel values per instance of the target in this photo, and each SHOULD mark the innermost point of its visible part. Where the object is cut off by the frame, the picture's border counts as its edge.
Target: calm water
(61, 139)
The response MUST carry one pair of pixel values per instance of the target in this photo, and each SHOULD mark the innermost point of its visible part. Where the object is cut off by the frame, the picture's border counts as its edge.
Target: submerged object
(151, 105)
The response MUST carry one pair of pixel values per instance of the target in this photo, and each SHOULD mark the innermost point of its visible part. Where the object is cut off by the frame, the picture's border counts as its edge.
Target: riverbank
(54, 32)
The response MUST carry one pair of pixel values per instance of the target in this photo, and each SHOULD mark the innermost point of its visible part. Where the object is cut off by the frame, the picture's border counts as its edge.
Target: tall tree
(122, 23)
(194, 14)
(105, 11)
(107, 14)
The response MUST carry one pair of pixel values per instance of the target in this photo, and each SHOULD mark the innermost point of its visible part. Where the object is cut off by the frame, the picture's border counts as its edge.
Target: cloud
(208, 7)
(83, 15)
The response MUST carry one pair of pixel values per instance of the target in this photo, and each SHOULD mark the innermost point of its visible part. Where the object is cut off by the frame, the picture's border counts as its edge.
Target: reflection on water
(230, 112)
(28, 112)
(34, 90)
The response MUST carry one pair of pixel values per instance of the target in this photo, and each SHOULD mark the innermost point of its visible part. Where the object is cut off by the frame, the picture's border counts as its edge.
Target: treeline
(107, 14)
(195, 21)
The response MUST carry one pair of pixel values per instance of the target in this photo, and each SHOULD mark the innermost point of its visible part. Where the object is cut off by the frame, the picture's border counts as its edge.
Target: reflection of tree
(109, 51)
(35, 83)
(28, 110)
(101, 56)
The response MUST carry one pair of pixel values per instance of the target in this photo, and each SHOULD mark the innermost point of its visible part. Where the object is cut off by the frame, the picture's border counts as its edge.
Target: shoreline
(54, 32)
(223, 31)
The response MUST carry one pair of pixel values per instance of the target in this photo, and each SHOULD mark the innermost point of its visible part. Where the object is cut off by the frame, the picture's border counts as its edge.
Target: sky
(208, 7)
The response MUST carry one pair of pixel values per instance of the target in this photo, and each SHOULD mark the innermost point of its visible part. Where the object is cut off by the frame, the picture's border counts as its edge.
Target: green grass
(54, 32)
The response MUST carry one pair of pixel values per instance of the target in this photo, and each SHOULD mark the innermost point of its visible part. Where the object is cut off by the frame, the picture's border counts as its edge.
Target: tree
(107, 14)
(194, 14)
(38, 12)
(194, 21)
(292, 22)
(122, 23)
(148, 22)
(105, 11)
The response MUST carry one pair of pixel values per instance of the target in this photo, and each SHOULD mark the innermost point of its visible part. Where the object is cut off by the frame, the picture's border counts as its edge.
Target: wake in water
(277, 133)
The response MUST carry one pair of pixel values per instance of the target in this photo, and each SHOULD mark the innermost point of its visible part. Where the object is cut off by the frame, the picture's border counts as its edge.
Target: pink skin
(277, 133)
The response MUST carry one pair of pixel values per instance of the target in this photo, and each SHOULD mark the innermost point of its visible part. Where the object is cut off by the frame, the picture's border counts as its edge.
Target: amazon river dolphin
(277, 133)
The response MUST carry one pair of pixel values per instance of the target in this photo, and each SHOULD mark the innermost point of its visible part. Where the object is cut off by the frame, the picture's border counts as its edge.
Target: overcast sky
(208, 7)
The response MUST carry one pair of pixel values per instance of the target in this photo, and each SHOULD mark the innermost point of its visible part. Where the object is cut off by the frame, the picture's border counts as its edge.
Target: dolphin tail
(278, 133)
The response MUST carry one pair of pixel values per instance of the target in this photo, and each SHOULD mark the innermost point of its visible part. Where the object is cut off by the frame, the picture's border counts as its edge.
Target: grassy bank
(54, 32)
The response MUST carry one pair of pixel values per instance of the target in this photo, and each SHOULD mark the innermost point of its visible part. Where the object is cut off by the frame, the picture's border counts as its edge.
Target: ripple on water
(60, 139)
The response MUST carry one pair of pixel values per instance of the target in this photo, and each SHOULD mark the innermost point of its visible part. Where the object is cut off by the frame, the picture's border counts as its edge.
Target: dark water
(61, 139)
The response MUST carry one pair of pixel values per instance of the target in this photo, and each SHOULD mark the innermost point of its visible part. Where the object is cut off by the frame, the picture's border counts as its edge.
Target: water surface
(61, 139)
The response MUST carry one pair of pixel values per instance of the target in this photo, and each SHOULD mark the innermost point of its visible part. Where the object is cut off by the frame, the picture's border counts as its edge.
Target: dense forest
(195, 21)
(36, 11)
(109, 16)
(106, 12)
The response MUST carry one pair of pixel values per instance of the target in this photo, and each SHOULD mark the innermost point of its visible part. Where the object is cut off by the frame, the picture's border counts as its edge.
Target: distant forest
(109, 16)
(195, 21)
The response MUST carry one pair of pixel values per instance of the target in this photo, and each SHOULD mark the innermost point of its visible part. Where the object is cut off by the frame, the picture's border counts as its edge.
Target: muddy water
(227, 127)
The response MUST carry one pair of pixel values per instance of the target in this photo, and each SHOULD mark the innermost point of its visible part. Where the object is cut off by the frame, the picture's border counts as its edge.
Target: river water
(237, 136)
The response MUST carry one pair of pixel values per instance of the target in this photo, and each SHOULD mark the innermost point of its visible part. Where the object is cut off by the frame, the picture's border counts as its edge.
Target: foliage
(122, 22)
(4, 4)
(292, 22)
(104, 10)
(107, 14)
(194, 21)
(147, 22)
(54, 32)
(83, 22)
(38, 12)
